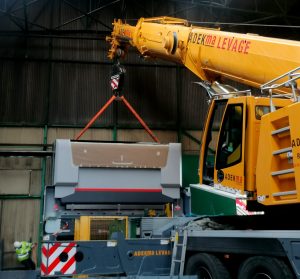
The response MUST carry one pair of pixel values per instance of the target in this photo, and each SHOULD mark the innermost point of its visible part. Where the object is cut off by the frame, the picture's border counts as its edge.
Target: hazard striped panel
(58, 258)
(114, 82)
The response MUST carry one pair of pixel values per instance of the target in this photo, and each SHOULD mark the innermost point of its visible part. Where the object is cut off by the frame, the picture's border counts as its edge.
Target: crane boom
(209, 53)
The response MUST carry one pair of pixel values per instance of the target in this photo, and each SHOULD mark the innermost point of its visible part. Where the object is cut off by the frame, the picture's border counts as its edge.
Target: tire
(206, 266)
(260, 267)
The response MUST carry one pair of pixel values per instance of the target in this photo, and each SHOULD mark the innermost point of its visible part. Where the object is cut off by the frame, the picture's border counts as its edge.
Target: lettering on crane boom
(226, 43)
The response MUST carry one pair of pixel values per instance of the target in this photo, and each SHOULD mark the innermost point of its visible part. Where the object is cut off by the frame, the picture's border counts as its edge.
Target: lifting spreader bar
(116, 83)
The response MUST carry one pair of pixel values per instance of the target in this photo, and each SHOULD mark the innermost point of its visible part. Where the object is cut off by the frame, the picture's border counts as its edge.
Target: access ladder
(178, 254)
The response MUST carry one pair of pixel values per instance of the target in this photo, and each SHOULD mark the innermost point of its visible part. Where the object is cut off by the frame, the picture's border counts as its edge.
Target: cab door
(229, 172)
(210, 140)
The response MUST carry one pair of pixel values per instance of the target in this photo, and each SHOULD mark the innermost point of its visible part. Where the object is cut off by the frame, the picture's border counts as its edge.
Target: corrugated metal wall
(78, 91)
(19, 220)
(19, 216)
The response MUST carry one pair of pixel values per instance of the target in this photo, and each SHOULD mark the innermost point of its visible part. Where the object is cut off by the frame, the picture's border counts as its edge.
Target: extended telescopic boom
(208, 53)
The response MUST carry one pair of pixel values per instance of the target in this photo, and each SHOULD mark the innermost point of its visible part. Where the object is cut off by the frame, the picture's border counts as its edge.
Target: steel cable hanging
(232, 23)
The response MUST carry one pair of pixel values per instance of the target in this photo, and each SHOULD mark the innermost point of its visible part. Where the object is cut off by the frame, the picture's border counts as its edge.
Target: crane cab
(230, 143)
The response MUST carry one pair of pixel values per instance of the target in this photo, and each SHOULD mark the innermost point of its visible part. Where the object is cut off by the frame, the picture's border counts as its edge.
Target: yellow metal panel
(82, 228)
(252, 135)
(77, 230)
(294, 116)
(278, 175)
(256, 107)
(168, 210)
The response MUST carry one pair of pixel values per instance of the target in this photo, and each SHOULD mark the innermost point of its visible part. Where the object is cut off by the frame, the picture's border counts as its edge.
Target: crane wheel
(261, 267)
(206, 266)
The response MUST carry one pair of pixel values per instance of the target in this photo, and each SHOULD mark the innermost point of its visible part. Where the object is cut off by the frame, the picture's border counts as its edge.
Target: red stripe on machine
(118, 190)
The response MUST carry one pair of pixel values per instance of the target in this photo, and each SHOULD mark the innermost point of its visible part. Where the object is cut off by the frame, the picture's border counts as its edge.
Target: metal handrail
(292, 76)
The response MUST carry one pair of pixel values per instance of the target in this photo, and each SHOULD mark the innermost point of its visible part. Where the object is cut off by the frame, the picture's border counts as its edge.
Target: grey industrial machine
(97, 178)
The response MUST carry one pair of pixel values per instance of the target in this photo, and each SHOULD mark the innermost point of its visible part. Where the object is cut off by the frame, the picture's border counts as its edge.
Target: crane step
(281, 130)
(282, 172)
(283, 150)
(286, 193)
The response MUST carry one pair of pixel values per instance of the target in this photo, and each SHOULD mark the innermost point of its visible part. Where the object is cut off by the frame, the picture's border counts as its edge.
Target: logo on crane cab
(295, 147)
(295, 142)
(229, 177)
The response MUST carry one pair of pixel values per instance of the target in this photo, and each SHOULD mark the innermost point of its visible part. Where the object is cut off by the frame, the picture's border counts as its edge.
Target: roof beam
(23, 19)
(213, 5)
(87, 14)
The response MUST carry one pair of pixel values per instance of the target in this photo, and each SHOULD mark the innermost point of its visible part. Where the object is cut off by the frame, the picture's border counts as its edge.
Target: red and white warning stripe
(241, 207)
(52, 261)
(114, 83)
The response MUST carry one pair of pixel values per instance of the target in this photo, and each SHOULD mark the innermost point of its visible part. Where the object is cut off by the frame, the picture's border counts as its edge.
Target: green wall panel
(190, 165)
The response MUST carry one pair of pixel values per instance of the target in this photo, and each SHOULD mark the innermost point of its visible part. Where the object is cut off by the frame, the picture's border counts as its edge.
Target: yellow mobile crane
(256, 149)
(253, 151)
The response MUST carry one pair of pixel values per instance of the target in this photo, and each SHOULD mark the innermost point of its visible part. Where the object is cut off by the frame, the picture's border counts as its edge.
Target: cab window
(262, 110)
(231, 137)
